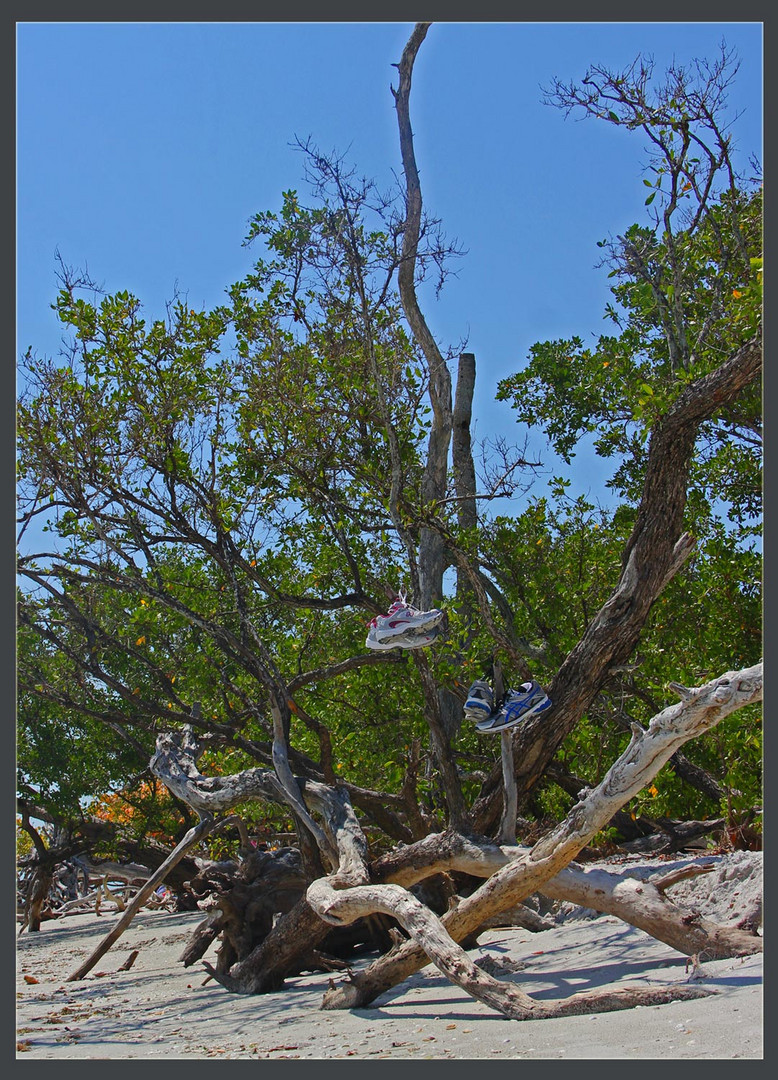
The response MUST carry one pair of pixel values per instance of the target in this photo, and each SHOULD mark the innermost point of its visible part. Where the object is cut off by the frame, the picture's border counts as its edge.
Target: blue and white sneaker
(480, 701)
(528, 700)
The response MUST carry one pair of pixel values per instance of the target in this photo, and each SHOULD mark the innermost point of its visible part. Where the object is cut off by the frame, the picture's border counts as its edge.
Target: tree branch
(431, 558)
(545, 867)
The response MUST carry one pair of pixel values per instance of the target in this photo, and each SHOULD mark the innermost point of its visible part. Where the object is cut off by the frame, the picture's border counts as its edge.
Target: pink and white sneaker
(402, 618)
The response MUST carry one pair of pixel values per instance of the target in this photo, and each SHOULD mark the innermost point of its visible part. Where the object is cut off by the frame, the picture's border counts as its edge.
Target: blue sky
(144, 148)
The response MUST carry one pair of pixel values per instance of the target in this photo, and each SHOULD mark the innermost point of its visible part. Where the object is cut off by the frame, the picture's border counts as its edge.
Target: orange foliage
(134, 809)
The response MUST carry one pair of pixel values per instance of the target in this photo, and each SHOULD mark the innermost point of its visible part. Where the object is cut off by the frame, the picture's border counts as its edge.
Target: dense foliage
(230, 495)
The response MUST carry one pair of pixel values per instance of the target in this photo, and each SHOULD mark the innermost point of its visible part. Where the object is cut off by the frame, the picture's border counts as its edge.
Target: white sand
(160, 1010)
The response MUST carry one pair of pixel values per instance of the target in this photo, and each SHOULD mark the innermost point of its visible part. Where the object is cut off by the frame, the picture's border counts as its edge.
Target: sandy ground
(160, 1010)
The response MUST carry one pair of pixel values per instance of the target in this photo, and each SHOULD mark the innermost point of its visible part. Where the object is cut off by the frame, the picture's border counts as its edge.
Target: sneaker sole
(404, 643)
(477, 712)
(512, 723)
(382, 634)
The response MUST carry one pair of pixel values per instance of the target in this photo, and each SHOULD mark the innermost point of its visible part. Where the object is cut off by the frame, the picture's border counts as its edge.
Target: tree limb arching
(610, 893)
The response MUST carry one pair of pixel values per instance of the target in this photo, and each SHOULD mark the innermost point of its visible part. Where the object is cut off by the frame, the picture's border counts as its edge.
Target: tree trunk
(38, 894)
(461, 446)
(431, 546)
(654, 553)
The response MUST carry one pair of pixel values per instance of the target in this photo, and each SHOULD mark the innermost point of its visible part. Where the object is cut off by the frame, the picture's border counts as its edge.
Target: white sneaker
(402, 617)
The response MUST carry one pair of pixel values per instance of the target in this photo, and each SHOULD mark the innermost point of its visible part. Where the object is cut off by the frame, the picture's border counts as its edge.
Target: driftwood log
(263, 887)
(348, 894)
(357, 888)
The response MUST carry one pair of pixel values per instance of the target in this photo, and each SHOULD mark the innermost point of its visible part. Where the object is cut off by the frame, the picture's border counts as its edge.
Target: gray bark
(461, 445)
(648, 751)
(355, 889)
(609, 893)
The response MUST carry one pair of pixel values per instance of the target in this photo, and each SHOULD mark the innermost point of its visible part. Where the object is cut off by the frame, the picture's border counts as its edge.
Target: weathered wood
(604, 891)
(302, 929)
(686, 770)
(203, 936)
(266, 967)
(80, 901)
(266, 885)
(660, 834)
(129, 961)
(647, 752)
(280, 712)
(299, 932)
(174, 762)
(673, 835)
(37, 895)
(461, 446)
(427, 930)
(644, 904)
(110, 870)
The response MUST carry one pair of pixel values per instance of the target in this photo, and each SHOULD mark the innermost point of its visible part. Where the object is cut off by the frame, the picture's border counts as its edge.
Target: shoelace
(400, 602)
